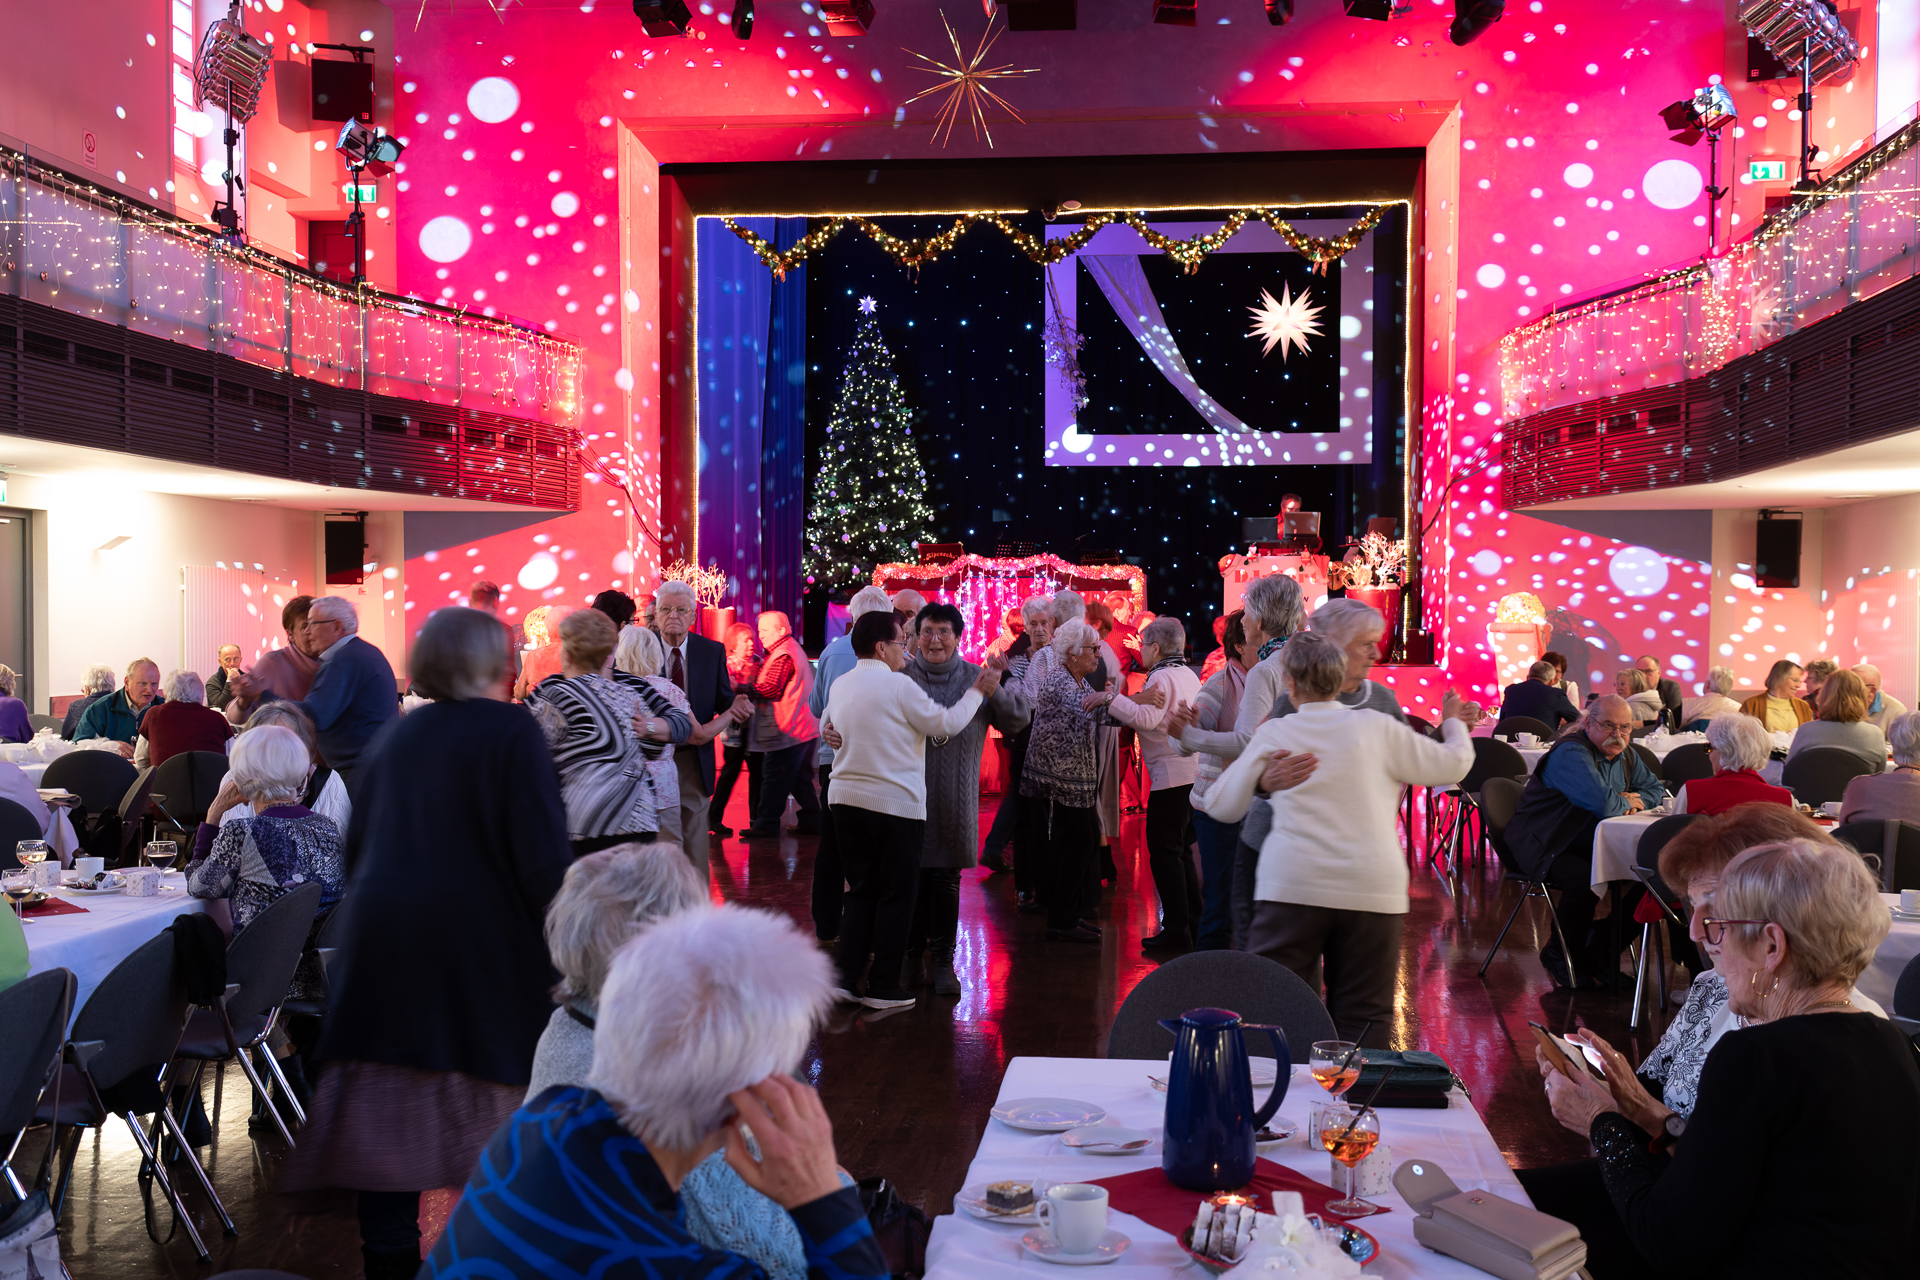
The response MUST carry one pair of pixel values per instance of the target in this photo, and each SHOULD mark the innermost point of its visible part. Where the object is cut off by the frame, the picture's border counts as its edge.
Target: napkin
(54, 907)
(1148, 1196)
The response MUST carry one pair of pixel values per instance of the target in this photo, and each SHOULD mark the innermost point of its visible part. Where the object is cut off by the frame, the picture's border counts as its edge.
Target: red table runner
(1148, 1196)
(53, 907)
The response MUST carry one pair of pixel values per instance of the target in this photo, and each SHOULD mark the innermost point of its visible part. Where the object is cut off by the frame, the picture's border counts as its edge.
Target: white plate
(1040, 1244)
(1107, 1140)
(1048, 1115)
(974, 1200)
(93, 893)
(1908, 917)
(1282, 1129)
(1263, 1070)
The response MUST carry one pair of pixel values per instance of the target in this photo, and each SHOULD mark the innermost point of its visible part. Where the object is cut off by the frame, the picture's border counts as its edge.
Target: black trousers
(1006, 828)
(880, 856)
(1575, 1193)
(829, 879)
(1066, 841)
(936, 913)
(1358, 952)
(730, 774)
(389, 1220)
(788, 771)
(1169, 836)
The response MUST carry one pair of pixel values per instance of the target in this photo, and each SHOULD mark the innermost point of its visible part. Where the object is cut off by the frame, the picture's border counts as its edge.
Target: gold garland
(1322, 251)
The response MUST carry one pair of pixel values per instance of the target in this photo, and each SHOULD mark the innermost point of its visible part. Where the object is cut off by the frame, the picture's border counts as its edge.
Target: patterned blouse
(1060, 755)
(254, 860)
(1676, 1062)
(604, 777)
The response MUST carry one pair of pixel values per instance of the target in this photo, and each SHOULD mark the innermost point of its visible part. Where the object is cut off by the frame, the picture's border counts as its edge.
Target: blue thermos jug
(1211, 1120)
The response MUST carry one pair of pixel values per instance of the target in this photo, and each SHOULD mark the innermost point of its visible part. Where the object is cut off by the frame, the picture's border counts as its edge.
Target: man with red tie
(699, 666)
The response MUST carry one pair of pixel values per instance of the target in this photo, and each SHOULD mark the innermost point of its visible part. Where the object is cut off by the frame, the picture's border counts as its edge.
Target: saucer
(974, 1200)
(1278, 1129)
(1906, 917)
(1047, 1115)
(1107, 1140)
(1040, 1244)
(1262, 1071)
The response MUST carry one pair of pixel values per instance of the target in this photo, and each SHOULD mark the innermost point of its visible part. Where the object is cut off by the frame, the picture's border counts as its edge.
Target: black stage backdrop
(965, 332)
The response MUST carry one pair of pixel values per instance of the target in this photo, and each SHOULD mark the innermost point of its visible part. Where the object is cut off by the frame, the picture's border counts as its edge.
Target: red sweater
(173, 727)
(1724, 790)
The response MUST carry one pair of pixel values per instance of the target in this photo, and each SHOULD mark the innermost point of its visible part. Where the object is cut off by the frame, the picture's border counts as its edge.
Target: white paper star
(1287, 322)
(868, 306)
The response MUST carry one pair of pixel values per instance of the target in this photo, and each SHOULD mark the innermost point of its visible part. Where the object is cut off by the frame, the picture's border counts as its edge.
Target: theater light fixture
(232, 67)
(742, 19)
(1279, 12)
(846, 17)
(1704, 115)
(1376, 10)
(1177, 13)
(666, 18)
(1472, 18)
(1807, 37)
(370, 149)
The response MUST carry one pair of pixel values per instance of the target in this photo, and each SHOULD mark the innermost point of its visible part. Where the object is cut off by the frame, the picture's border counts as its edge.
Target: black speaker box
(343, 91)
(1776, 553)
(346, 547)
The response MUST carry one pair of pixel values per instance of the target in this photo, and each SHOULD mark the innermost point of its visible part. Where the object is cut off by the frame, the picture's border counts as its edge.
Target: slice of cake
(1009, 1197)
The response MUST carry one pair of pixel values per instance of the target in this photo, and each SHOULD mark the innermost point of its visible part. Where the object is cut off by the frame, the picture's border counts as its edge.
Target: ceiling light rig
(1807, 37)
(742, 22)
(1472, 18)
(231, 70)
(666, 18)
(1704, 115)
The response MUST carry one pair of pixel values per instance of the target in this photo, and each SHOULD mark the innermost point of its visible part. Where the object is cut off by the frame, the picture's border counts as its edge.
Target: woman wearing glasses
(1820, 924)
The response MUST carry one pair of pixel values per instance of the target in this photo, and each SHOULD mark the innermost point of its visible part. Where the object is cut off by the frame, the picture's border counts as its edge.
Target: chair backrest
(1492, 759)
(17, 823)
(34, 1011)
(40, 722)
(1647, 758)
(1258, 989)
(1820, 774)
(190, 780)
(1498, 799)
(133, 807)
(1906, 990)
(1652, 841)
(1893, 844)
(138, 1010)
(1522, 724)
(1684, 764)
(99, 778)
(265, 954)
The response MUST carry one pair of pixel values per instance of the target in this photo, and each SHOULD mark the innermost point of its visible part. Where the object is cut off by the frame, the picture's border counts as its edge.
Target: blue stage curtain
(736, 293)
(783, 450)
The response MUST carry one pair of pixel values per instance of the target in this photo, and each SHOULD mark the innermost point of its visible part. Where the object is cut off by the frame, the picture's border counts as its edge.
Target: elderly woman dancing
(1036, 619)
(1061, 782)
(702, 1019)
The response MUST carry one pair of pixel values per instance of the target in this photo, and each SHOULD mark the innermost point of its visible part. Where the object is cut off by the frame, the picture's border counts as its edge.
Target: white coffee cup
(1076, 1214)
(89, 867)
(1910, 901)
(1529, 739)
(1831, 808)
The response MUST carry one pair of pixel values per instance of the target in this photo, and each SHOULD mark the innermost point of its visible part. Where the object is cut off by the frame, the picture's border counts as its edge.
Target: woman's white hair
(1275, 601)
(270, 763)
(868, 600)
(699, 1006)
(1721, 681)
(1345, 619)
(1068, 606)
(1168, 633)
(1903, 735)
(97, 678)
(639, 652)
(1075, 633)
(1822, 897)
(606, 898)
(184, 686)
(1739, 740)
(1034, 608)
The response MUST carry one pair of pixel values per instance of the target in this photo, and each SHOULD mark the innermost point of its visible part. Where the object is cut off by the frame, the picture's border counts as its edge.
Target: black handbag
(900, 1228)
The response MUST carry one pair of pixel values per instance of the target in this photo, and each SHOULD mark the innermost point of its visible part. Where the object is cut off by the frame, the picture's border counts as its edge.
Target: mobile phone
(1557, 1051)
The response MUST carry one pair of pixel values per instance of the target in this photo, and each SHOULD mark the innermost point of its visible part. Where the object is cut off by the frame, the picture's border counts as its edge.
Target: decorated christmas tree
(868, 504)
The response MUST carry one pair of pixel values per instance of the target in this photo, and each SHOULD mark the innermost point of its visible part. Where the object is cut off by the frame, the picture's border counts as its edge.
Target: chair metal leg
(1640, 974)
(67, 1158)
(260, 1090)
(286, 1090)
(199, 1171)
(1566, 951)
(157, 1165)
(1494, 950)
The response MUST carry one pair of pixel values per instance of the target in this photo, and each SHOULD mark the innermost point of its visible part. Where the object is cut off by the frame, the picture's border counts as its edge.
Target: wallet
(1420, 1079)
(1486, 1230)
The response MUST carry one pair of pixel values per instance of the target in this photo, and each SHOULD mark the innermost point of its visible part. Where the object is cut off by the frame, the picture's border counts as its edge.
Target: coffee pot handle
(1282, 1076)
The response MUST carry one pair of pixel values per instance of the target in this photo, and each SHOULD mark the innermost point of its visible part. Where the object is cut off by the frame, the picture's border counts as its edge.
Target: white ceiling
(51, 460)
(1881, 469)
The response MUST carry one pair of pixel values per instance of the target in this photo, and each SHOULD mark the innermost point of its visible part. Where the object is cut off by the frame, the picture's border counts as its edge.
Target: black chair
(260, 967)
(1646, 858)
(1523, 724)
(1684, 764)
(133, 813)
(1501, 797)
(1258, 989)
(34, 1011)
(1895, 843)
(1491, 759)
(17, 823)
(99, 778)
(189, 780)
(1820, 774)
(116, 1063)
(324, 941)
(1647, 758)
(1906, 992)
(40, 722)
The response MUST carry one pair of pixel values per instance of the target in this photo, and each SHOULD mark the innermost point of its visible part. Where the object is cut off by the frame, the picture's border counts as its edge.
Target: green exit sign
(1767, 170)
(365, 193)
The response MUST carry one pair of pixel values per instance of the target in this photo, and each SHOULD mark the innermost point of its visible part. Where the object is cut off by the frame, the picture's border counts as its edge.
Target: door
(330, 250)
(16, 625)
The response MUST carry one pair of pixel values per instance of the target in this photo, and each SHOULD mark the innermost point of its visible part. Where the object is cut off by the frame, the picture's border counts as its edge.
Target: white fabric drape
(1124, 283)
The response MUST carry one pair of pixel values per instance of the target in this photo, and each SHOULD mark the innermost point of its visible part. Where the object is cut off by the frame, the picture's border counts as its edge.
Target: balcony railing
(67, 244)
(1856, 237)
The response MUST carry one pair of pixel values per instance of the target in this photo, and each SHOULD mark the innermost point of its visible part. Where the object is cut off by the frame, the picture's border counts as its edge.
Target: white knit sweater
(1332, 843)
(884, 720)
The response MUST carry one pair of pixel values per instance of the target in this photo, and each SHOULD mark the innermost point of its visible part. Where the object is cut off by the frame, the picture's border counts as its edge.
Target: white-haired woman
(14, 724)
(326, 794)
(638, 660)
(183, 722)
(1895, 793)
(1716, 699)
(1737, 747)
(702, 1019)
(1796, 923)
(1331, 881)
(1061, 782)
(1632, 684)
(96, 682)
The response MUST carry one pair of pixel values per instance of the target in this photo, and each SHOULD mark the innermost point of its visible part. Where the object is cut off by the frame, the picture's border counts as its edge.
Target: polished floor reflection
(909, 1089)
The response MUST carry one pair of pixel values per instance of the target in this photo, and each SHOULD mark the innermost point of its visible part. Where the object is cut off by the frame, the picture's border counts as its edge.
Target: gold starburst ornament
(964, 82)
(1290, 321)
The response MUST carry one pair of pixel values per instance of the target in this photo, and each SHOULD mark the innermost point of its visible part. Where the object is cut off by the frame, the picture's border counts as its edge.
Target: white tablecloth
(1616, 842)
(113, 927)
(1902, 945)
(964, 1247)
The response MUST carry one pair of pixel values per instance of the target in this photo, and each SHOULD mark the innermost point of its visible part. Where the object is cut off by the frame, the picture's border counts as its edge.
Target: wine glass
(161, 853)
(31, 854)
(1335, 1065)
(17, 883)
(1350, 1134)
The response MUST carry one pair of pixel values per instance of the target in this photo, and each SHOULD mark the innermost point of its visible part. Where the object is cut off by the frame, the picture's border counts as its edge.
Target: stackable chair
(17, 823)
(1820, 774)
(1258, 989)
(1499, 798)
(99, 778)
(1684, 764)
(1646, 858)
(1523, 724)
(1491, 759)
(1895, 843)
(34, 1012)
(185, 786)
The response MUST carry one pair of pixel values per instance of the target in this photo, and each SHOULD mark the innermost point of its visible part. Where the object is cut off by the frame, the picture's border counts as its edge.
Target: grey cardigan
(953, 764)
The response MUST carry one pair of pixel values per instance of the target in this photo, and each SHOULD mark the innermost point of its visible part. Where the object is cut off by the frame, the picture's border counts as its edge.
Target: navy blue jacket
(1543, 702)
(352, 697)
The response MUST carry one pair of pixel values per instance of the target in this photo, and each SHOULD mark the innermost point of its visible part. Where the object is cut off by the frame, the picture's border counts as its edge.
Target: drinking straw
(1368, 1104)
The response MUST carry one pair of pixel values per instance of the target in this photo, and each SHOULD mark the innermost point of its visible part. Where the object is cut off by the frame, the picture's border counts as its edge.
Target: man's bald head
(1610, 724)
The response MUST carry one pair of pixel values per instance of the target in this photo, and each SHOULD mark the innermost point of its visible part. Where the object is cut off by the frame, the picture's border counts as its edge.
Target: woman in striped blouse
(603, 737)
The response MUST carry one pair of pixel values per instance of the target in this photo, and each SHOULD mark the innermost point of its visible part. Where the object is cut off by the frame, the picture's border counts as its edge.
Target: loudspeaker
(1041, 15)
(1776, 553)
(346, 542)
(1762, 65)
(343, 91)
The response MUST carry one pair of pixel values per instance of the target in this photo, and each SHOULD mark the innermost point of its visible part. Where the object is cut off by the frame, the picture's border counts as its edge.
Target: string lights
(983, 588)
(1322, 251)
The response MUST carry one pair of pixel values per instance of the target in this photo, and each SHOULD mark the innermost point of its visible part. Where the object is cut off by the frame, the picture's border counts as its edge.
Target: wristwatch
(1674, 1125)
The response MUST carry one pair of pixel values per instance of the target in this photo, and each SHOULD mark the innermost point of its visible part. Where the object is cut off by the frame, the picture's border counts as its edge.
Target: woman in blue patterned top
(702, 1018)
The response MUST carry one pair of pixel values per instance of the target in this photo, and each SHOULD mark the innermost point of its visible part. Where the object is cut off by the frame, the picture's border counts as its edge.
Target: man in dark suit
(1539, 698)
(353, 694)
(1669, 690)
(699, 667)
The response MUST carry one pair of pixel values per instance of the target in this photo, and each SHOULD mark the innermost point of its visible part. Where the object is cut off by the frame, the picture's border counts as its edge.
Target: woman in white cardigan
(1331, 884)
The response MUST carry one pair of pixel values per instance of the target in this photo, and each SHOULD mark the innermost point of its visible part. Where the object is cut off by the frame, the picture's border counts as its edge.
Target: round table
(1902, 944)
(109, 929)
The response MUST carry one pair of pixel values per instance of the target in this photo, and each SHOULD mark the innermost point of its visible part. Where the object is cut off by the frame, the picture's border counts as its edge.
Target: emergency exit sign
(365, 193)
(1767, 170)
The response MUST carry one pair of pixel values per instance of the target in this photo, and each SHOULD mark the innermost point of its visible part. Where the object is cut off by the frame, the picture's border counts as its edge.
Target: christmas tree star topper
(868, 306)
(1286, 322)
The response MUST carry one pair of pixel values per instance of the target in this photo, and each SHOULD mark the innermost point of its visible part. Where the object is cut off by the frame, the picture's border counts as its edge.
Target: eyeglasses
(673, 611)
(1617, 728)
(1715, 931)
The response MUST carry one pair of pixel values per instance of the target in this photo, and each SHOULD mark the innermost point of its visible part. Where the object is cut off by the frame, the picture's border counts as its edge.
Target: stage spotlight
(846, 17)
(1471, 18)
(742, 19)
(1177, 13)
(1708, 111)
(666, 18)
(364, 148)
(1279, 12)
(1805, 35)
(1376, 10)
(232, 67)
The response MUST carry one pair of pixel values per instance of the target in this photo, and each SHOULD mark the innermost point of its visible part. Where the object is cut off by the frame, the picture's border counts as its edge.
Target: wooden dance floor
(909, 1089)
